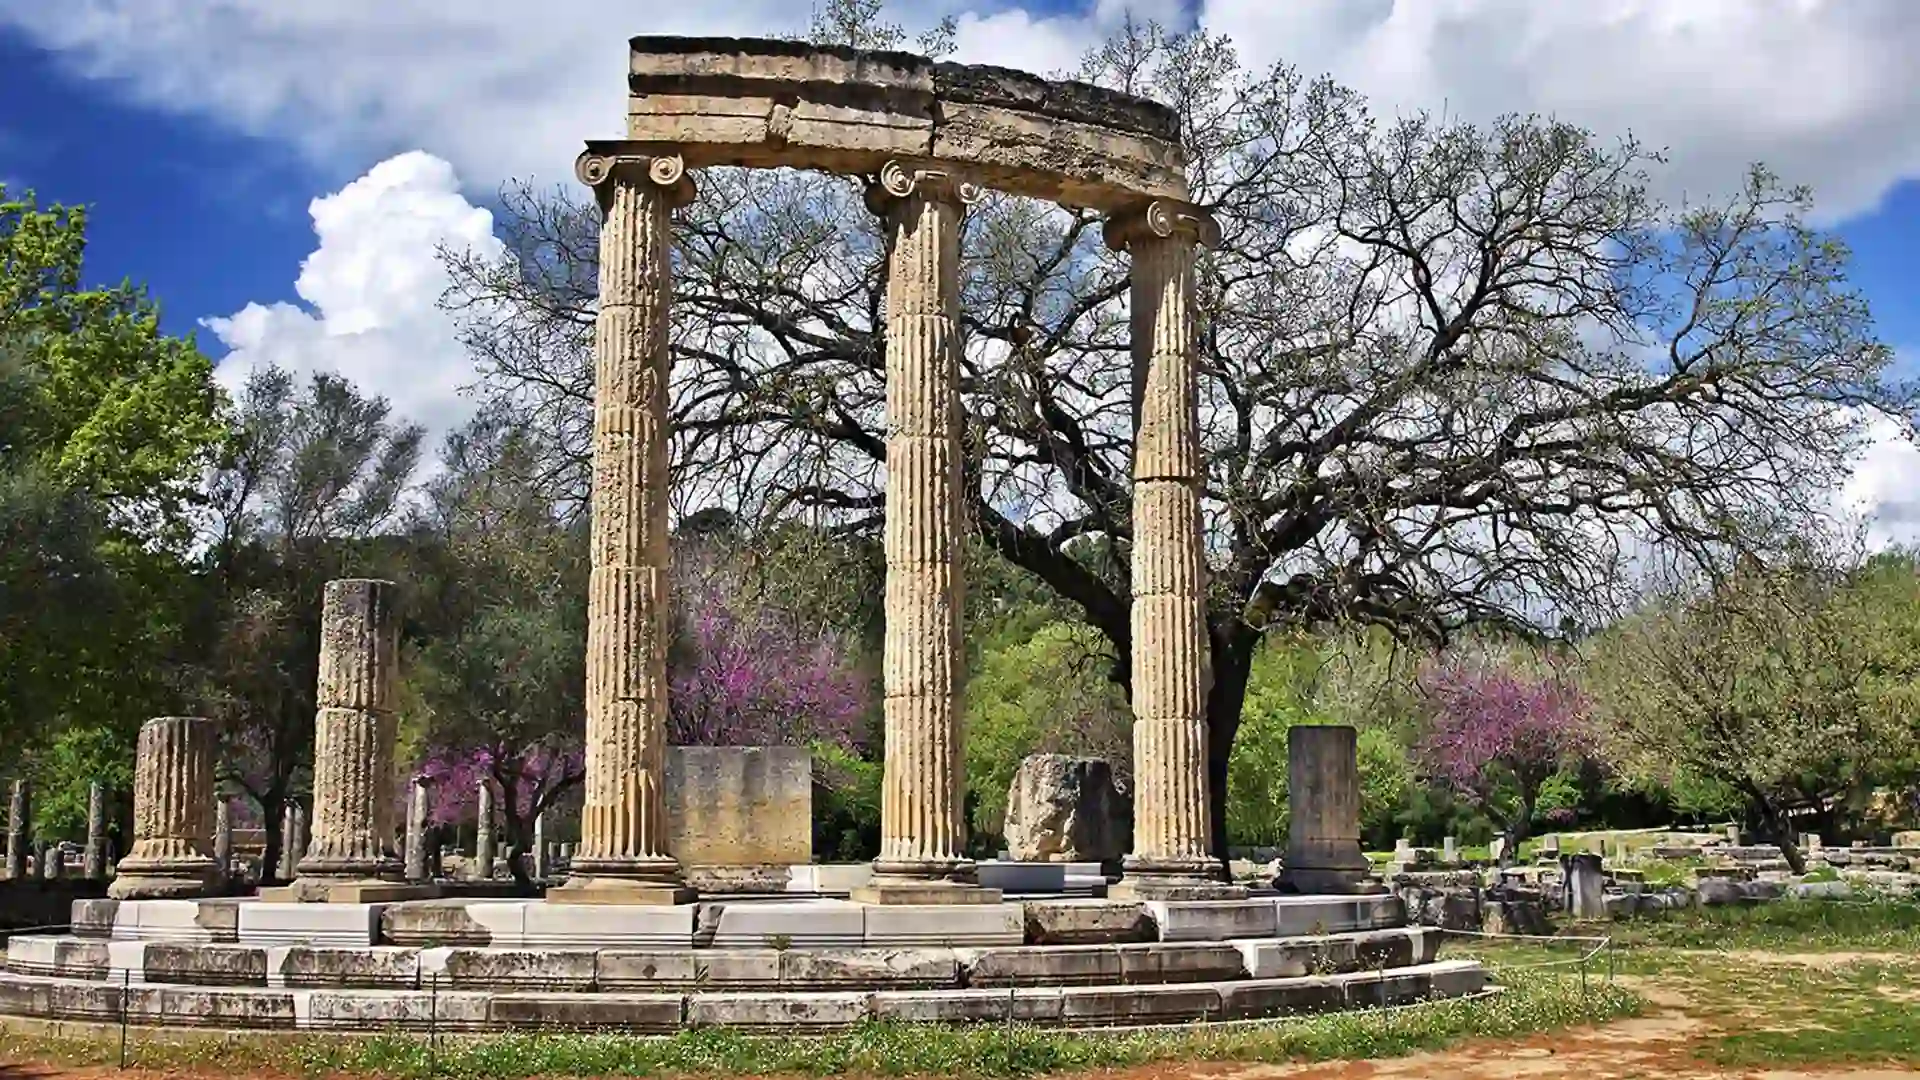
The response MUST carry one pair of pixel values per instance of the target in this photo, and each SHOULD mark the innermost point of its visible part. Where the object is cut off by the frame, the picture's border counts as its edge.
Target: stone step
(587, 970)
(781, 1011)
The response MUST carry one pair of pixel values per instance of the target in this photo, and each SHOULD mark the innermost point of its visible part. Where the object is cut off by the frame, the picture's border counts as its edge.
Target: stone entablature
(772, 103)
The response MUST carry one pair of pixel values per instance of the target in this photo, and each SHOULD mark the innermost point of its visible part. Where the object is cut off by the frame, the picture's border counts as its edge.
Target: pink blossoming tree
(1495, 730)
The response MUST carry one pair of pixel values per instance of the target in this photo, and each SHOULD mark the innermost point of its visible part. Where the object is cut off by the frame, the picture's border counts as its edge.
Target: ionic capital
(1163, 219)
(903, 179)
(600, 170)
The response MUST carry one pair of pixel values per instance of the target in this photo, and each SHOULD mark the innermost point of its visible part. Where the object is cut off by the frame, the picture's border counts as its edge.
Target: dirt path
(1652, 1046)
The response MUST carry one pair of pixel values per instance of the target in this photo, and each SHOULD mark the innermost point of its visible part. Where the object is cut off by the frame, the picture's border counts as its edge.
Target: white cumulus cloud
(371, 290)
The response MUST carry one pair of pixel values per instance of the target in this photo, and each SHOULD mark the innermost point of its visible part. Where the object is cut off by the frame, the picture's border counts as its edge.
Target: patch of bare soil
(1811, 960)
(1646, 1046)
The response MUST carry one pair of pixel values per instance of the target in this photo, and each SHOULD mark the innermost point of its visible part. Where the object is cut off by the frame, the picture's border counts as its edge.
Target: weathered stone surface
(643, 1013)
(776, 1011)
(1323, 834)
(1066, 809)
(1294, 957)
(1079, 922)
(1213, 920)
(378, 967)
(172, 853)
(740, 806)
(262, 923)
(623, 822)
(948, 925)
(868, 969)
(55, 955)
(1179, 963)
(689, 969)
(1094, 1006)
(1056, 965)
(810, 924)
(204, 965)
(354, 731)
(19, 828)
(452, 922)
(561, 925)
(1298, 915)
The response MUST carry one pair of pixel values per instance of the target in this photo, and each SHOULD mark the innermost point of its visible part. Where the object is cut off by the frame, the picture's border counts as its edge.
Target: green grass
(1782, 926)
(1532, 1003)
(1854, 1014)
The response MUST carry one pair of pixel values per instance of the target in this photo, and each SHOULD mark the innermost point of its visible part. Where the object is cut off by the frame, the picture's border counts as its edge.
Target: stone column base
(621, 891)
(326, 891)
(887, 893)
(184, 881)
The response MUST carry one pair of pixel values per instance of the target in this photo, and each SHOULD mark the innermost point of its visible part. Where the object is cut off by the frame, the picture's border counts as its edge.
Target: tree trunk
(1232, 663)
(1776, 824)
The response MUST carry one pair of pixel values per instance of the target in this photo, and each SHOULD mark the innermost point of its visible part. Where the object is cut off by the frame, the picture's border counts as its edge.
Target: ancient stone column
(94, 867)
(223, 839)
(19, 818)
(1171, 831)
(483, 834)
(1323, 804)
(172, 812)
(417, 810)
(623, 857)
(541, 867)
(352, 838)
(922, 818)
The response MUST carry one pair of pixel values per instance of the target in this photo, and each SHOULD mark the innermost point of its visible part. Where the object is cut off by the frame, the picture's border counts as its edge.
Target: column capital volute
(601, 169)
(1163, 219)
(898, 180)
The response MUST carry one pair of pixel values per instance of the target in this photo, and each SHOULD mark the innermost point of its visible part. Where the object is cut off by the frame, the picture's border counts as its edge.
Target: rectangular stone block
(249, 1007)
(831, 878)
(943, 1006)
(1212, 920)
(1278, 997)
(178, 920)
(550, 925)
(1050, 965)
(529, 969)
(828, 969)
(776, 1012)
(1107, 1005)
(438, 923)
(1297, 916)
(339, 925)
(54, 955)
(1002, 145)
(1179, 963)
(411, 1010)
(974, 925)
(689, 969)
(739, 805)
(205, 965)
(380, 967)
(1077, 922)
(801, 924)
(1024, 877)
(648, 1013)
(93, 918)
(127, 963)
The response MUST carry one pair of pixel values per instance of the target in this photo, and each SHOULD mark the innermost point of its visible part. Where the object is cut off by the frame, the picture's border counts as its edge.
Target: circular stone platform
(765, 966)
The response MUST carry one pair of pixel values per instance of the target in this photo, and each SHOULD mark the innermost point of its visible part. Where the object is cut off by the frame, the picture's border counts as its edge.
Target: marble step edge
(663, 1013)
(459, 968)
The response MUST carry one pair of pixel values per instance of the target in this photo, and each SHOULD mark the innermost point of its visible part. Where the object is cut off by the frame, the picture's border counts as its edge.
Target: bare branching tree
(1452, 374)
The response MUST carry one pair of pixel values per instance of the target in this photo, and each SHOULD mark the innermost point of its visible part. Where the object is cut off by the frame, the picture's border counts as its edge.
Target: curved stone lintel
(898, 179)
(598, 165)
(1163, 218)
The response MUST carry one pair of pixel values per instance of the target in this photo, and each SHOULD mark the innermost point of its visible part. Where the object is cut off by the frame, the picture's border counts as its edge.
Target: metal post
(126, 980)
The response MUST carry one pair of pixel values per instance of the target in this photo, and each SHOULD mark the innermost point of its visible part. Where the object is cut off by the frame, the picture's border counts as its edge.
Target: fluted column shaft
(172, 811)
(1170, 649)
(353, 771)
(922, 818)
(623, 822)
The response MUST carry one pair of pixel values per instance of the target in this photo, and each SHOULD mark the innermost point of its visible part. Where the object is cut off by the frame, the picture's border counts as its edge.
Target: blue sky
(213, 217)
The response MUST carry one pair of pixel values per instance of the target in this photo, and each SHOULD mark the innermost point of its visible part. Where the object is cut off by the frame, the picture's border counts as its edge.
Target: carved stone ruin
(172, 812)
(94, 866)
(350, 856)
(223, 839)
(1065, 809)
(483, 832)
(19, 828)
(419, 796)
(1323, 793)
